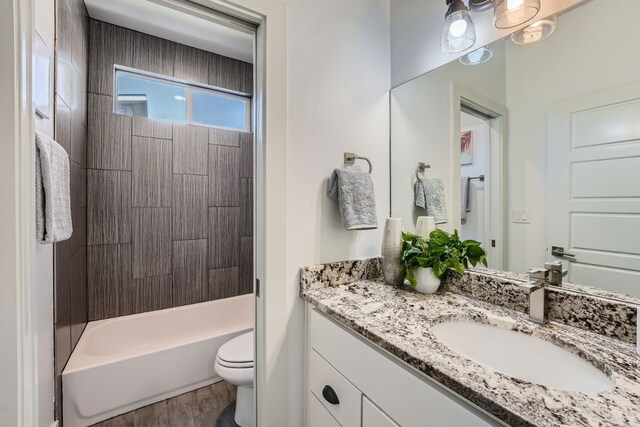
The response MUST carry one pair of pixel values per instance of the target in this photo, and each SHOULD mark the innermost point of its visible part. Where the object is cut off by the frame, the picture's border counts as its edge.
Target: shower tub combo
(127, 362)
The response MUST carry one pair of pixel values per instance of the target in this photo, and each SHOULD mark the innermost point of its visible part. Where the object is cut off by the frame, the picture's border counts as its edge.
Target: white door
(593, 187)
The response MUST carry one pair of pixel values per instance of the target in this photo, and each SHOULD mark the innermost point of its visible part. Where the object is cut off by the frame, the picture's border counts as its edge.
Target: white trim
(499, 122)
(18, 367)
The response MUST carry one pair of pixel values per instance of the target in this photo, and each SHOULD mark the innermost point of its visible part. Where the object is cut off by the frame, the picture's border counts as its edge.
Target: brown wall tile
(190, 272)
(224, 176)
(246, 207)
(109, 207)
(152, 128)
(224, 237)
(151, 172)
(190, 149)
(246, 155)
(153, 54)
(224, 283)
(224, 137)
(108, 269)
(146, 294)
(152, 242)
(109, 136)
(108, 45)
(246, 265)
(189, 207)
(191, 64)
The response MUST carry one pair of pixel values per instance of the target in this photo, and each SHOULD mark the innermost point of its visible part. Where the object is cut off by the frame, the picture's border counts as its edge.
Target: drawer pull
(330, 395)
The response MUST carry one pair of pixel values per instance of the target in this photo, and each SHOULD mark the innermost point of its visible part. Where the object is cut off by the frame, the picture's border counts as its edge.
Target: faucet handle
(539, 274)
(530, 286)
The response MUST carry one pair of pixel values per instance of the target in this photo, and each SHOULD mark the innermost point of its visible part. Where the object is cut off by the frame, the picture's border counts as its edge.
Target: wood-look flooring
(211, 406)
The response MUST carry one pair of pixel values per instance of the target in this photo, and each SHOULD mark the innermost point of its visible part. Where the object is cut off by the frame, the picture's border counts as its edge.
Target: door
(593, 188)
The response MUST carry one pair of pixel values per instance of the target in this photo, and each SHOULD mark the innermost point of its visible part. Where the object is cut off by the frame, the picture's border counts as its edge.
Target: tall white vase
(392, 252)
(425, 225)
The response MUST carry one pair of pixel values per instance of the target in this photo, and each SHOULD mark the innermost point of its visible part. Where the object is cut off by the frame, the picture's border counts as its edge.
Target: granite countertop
(399, 320)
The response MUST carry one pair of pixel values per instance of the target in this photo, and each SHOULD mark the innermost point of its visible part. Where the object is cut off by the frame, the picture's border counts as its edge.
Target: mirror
(538, 149)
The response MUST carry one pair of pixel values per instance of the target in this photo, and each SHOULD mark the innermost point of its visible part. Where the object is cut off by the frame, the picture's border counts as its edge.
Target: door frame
(17, 167)
(18, 306)
(496, 165)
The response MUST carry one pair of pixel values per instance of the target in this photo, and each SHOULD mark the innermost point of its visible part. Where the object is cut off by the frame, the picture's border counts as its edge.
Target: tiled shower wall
(169, 205)
(70, 283)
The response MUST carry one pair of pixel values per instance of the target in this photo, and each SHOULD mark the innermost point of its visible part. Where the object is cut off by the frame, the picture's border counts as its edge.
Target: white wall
(337, 88)
(421, 129)
(45, 29)
(594, 47)
(416, 28)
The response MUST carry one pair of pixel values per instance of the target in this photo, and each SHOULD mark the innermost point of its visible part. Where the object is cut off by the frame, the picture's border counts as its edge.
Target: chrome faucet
(556, 273)
(535, 287)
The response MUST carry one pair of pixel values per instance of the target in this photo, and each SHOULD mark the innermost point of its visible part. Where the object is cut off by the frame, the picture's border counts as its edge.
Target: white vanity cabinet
(352, 383)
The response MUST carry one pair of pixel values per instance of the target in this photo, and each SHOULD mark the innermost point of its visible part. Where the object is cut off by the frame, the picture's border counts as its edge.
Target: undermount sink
(522, 356)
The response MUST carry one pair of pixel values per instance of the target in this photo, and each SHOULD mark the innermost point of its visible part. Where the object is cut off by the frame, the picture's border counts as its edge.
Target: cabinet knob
(330, 395)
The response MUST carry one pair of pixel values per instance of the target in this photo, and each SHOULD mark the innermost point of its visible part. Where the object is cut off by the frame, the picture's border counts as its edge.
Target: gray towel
(53, 198)
(465, 188)
(354, 192)
(429, 195)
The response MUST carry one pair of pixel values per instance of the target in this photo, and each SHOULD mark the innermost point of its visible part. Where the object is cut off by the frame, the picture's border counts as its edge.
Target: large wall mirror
(538, 148)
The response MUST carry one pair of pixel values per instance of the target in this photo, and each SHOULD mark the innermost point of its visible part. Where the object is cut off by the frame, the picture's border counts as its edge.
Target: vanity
(379, 355)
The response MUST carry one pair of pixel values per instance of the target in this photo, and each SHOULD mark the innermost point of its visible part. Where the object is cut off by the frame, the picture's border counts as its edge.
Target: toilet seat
(237, 353)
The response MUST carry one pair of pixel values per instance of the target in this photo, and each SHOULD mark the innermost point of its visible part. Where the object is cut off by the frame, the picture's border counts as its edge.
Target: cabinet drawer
(324, 376)
(318, 415)
(407, 396)
(372, 416)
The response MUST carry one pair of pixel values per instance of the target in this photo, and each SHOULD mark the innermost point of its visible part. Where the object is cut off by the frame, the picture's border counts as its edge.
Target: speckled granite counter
(399, 320)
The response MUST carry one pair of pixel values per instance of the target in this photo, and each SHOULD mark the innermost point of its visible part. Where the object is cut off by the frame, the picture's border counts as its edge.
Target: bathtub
(127, 362)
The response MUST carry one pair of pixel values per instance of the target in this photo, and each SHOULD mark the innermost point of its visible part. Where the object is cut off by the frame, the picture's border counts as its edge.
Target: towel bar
(421, 168)
(350, 159)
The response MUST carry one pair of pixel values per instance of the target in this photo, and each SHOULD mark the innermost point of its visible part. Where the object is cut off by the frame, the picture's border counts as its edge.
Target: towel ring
(350, 159)
(422, 167)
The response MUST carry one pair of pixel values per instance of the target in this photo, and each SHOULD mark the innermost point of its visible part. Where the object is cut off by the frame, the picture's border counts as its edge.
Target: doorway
(479, 170)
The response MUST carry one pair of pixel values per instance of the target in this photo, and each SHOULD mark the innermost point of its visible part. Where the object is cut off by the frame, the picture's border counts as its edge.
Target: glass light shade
(511, 13)
(458, 33)
(478, 56)
(535, 32)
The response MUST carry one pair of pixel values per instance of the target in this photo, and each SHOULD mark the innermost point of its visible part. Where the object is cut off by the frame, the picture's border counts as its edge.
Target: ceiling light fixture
(458, 33)
(535, 32)
(478, 56)
(511, 13)
(477, 6)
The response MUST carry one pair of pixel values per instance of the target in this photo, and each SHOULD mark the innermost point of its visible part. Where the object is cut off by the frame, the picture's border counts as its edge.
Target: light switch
(521, 216)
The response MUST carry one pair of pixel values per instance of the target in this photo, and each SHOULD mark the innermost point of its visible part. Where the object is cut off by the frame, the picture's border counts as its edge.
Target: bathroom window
(142, 95)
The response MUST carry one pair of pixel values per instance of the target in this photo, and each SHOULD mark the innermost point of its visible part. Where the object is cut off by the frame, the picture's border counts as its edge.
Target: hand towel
(465, 188)
(354, 192)
(429, 195)
(53, 195)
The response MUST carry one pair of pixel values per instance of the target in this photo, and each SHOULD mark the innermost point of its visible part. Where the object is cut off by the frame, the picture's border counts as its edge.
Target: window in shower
(142, 95)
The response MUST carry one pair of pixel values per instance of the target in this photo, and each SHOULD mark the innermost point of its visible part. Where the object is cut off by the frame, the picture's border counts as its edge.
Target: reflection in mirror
(554, 128)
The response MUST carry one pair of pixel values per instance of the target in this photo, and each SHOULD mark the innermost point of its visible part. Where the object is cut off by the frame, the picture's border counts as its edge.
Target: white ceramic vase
(425, 225)
(392, 252)
(426, 281)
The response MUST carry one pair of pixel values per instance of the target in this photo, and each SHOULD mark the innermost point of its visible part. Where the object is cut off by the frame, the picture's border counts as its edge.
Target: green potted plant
(425, 262)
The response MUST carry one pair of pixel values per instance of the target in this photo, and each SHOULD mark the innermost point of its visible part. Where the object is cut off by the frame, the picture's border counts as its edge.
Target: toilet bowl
(234, 364)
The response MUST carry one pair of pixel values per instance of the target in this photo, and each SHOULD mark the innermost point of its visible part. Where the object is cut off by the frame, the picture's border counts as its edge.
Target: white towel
(429, 195)
(53, 195)
(354, 192)
(465, 188)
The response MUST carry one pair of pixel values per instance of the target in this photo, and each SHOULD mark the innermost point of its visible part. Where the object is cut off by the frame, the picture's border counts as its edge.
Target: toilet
(234, 364)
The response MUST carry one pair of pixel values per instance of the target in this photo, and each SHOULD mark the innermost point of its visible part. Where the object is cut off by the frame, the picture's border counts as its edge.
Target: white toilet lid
(238, 350)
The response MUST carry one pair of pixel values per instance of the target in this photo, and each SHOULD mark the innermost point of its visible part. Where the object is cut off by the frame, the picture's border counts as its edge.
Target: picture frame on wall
(466, 148)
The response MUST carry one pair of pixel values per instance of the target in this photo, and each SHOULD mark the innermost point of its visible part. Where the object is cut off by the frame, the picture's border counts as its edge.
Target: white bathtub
(127, 362)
